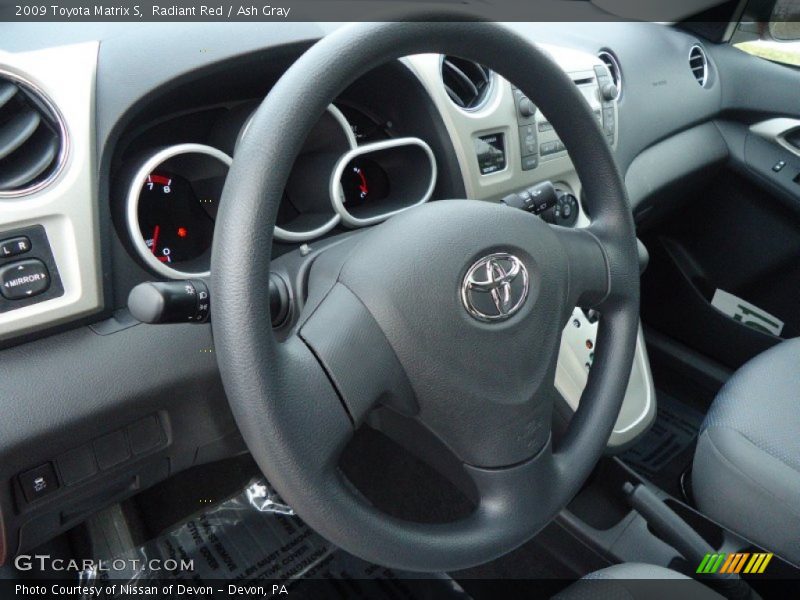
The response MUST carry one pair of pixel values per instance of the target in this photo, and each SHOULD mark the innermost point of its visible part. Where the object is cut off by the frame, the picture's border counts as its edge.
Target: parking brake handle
(671, 528)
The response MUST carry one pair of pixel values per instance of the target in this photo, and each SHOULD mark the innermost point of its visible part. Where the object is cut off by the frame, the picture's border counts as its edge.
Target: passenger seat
(746, 472)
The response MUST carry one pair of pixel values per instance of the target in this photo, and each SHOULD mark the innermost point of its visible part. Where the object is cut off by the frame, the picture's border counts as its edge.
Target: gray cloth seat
(632, 581)
(746, 472)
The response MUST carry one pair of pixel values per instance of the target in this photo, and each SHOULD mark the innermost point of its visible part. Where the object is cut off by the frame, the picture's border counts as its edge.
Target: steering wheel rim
(293, 413)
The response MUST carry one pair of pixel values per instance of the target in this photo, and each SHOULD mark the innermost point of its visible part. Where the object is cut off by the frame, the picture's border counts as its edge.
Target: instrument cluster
(353, 171)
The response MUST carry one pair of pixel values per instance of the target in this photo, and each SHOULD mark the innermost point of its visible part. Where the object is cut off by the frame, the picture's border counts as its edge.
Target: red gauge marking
(182, 232)
(160, 179)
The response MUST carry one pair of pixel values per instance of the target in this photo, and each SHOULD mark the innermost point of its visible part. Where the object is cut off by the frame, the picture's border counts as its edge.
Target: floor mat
(671, 437)
(255, 541)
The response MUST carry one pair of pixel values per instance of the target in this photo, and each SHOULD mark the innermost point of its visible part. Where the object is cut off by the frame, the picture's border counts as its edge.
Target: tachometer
(172, 221)
(172, 201)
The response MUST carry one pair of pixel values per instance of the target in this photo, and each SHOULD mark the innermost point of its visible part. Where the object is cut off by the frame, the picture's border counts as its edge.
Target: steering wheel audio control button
(24, 279)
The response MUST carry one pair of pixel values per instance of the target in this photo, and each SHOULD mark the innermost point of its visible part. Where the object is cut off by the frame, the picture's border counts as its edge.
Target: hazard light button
(24, 279)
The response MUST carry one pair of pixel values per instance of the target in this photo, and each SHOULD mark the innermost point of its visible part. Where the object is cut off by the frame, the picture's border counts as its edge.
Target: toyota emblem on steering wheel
(495, 287)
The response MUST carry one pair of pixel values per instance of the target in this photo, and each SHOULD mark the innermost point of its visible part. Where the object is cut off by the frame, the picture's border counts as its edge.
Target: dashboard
(147, 121)
(358, 166)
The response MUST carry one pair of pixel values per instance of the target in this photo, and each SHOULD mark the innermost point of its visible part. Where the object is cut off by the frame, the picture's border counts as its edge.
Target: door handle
(782, 131)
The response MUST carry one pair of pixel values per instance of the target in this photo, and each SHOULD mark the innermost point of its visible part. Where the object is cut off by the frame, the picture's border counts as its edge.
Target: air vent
(613, 67)
(699, 65)
(467, 83)
(31, 138)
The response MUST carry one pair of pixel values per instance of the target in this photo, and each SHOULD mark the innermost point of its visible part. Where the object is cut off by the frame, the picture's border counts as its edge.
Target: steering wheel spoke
(356, 356)
(589, 279)
(308, 417)
(504, 492)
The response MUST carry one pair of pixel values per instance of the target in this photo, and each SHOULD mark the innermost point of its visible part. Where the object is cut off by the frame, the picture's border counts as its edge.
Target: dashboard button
(24, 279)
(608, 119)
(530, 162)
(145, 435)
(38, 482)
(528, 140)
(77, 465)
(112, 449)
(601, 72)
(14, 246)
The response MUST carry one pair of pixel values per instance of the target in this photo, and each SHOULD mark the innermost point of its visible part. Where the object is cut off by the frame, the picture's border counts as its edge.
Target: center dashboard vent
(467, 83)
(31, 138)
(698, 63)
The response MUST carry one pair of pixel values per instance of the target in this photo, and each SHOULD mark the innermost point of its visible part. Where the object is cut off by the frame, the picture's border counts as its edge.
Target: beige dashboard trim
(498, 115)
(68, 207)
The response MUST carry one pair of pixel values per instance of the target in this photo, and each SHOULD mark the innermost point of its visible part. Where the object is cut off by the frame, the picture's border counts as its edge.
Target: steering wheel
(450, 313)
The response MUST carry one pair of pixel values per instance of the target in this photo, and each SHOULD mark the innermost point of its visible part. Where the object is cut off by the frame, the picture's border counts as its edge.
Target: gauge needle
(156, 231)
(363, 186)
